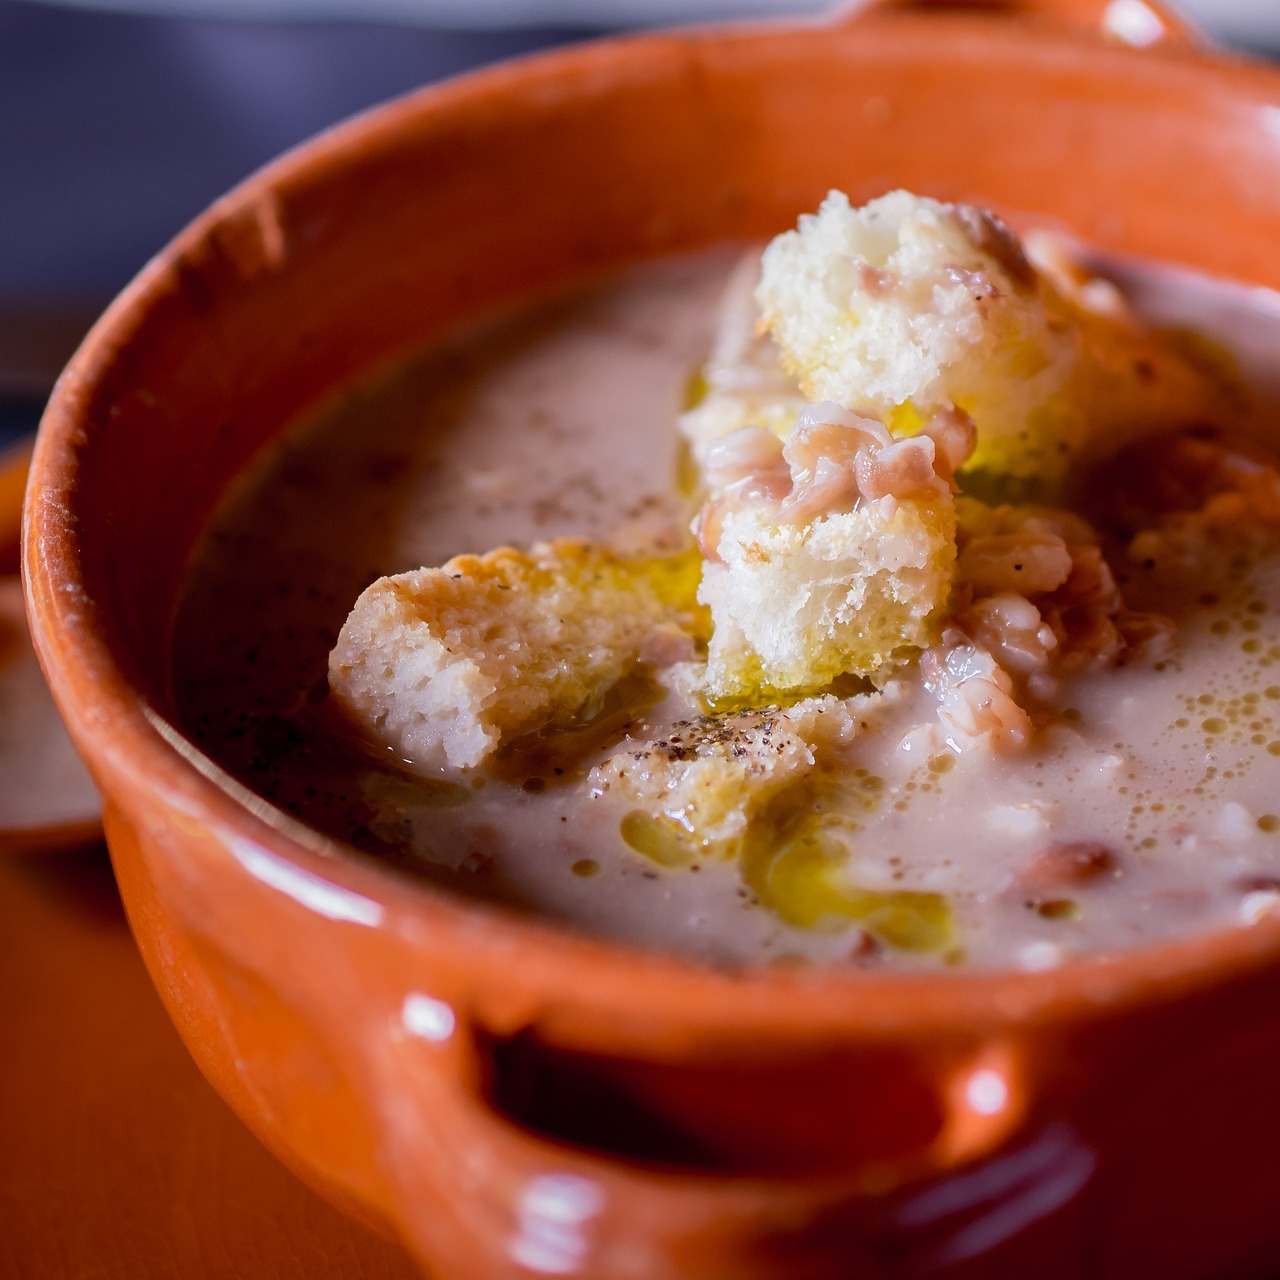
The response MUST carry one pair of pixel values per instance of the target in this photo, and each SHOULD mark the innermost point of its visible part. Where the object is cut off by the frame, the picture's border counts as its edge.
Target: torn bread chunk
(908, 305)
(444, 665)
(705, 779)
(852, 593)
(826, 556)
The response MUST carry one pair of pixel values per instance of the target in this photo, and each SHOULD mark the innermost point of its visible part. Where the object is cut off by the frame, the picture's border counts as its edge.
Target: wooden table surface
(117, 1160)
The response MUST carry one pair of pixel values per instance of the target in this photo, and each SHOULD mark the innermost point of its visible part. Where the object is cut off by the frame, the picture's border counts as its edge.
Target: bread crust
(443, 665)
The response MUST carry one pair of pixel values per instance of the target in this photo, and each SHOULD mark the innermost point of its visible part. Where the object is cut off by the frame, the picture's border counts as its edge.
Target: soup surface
(1144, 807)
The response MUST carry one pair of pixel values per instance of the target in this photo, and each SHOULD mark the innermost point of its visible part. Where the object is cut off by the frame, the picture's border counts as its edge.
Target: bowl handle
(481, 1196)
(1136, 22)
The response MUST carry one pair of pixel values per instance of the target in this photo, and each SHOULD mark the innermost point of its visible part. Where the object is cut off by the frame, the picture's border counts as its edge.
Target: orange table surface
(117, 1160)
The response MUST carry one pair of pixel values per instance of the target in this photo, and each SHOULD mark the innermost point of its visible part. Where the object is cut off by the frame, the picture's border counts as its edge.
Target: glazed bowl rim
(120, 733)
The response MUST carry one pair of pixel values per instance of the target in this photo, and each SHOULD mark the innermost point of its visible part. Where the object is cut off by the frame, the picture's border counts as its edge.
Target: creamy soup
(1146, 806)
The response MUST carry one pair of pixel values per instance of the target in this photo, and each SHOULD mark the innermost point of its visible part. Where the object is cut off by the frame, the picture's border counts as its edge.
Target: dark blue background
(116, 130)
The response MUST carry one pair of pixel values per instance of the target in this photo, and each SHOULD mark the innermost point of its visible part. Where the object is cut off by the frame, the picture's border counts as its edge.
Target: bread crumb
(710, 775)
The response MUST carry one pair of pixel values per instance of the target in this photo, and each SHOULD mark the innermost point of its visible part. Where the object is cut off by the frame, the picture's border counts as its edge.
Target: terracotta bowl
(514, 1100)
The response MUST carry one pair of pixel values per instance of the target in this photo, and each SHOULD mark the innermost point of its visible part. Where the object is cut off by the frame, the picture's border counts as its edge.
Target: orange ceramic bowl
(514, 1100)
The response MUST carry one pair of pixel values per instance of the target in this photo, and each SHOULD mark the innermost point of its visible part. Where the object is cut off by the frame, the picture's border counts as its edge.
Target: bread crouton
(700, 785)
(827, 555)
(852, 592)
(907, 305)
(444, 665)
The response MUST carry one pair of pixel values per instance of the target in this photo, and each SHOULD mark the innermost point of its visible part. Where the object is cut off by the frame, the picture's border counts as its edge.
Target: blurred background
(121, 119)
